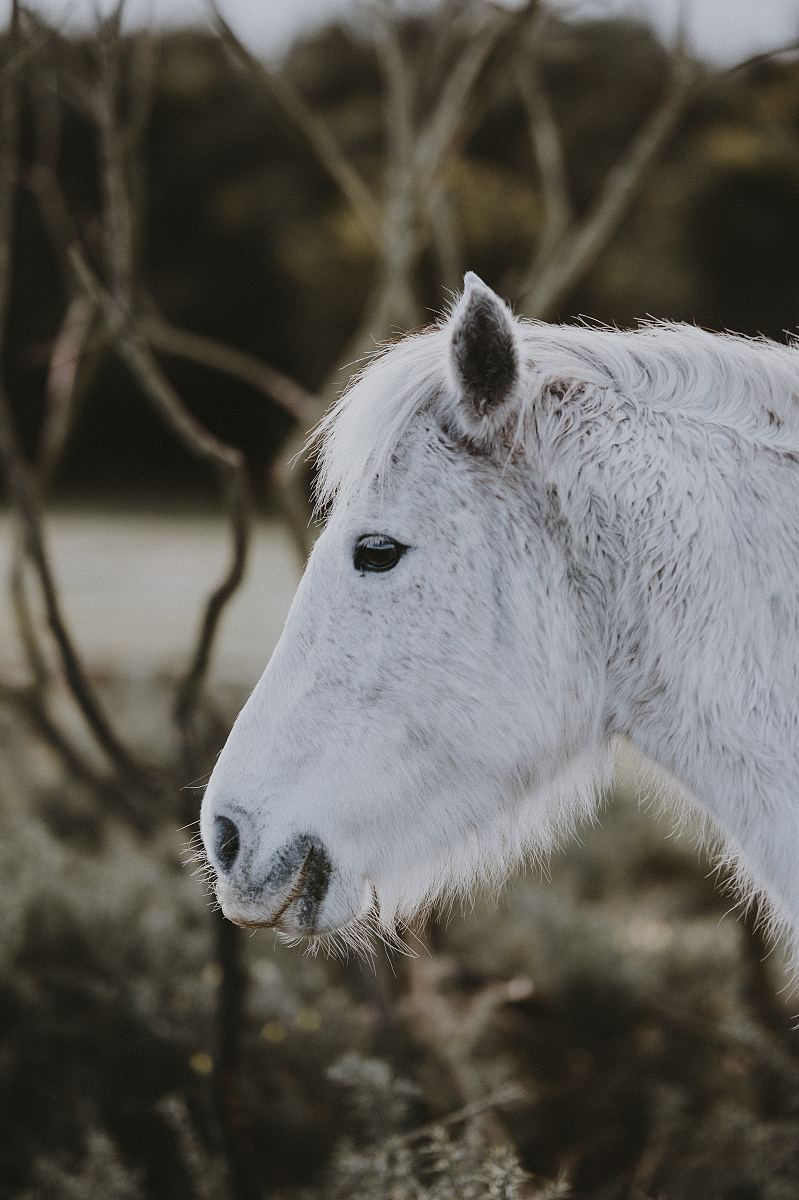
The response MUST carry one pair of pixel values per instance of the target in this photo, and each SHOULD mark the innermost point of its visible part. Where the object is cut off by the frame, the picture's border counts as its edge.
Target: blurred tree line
(244, 236)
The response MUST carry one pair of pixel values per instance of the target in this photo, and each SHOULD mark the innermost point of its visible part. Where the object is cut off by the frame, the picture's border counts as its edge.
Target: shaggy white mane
(748, 386)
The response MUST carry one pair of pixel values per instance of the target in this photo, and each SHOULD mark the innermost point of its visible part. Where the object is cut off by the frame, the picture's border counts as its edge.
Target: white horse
(539, 538)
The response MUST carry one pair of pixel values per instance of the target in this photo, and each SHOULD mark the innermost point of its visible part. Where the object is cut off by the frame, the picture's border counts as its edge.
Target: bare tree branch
(23, 617)
(444, 235)
(145, 53)
(41, 176)
(440, 133)
(401, 226)
(451, 1030)
(9, 158)
(547, 146)
(398, 101)
(118, 221)
(392, 301)
(202, 444)
(118, 156)
(349, 181)
(578, 244)
(61, 384)
(567, 247)
(21, 487)
(23, 495)
(42, 181)
(33, 36)
(60, 389)
(417, 161)
(226, 462)
(117, 305)
(508, 1096)
(28, 703)
(757, 60)
(300, 404)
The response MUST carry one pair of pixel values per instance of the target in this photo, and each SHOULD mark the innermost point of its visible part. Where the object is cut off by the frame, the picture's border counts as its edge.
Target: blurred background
(207, 215)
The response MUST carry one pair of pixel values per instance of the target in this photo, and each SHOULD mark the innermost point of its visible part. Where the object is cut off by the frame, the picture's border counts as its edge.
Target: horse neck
(679, 526)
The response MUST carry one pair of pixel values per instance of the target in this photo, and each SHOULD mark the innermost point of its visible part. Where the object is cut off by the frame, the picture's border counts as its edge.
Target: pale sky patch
(721, 30)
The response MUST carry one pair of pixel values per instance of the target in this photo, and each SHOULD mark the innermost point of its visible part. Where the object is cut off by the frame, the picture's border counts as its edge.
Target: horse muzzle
(287, 890)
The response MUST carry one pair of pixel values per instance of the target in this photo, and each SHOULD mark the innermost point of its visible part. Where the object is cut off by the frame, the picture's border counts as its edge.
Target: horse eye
(376, 552)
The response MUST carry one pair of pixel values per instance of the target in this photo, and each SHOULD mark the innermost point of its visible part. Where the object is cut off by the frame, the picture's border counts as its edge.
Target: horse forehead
(424, 448)
(427, 460)
(417, 466)
(429, 478)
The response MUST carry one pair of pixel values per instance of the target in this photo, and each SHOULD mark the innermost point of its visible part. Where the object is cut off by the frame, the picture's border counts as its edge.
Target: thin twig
(229, 1021)
(144, 51)
(757, 60)
(27, 702)
(9, 134)
(398, 101)
(226, 462)
(504, 1097)
(205, 1173)
(580, 244)
(25, 499)
(451, 1030)
(61, 385)
(300, 404)
(567, 248)
(118, 219)
(35, 37)
(23, 616)
(303, 406)
(66, 375)
(351, 184)
(439, 136)
(444, 235)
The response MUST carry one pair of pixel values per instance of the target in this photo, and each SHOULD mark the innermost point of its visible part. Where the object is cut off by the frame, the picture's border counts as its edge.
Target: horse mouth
(310, 909)
(295, 893)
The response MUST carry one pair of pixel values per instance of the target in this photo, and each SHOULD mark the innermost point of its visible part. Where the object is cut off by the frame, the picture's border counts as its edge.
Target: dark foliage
(245, 237)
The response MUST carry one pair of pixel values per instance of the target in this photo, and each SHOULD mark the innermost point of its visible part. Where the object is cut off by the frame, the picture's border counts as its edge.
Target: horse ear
(484, 355)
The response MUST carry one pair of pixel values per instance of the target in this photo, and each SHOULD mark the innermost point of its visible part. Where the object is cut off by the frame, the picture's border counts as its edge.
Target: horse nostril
(226, 842)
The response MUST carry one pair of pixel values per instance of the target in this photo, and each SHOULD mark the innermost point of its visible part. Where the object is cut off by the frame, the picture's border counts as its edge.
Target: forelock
(354, 442)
